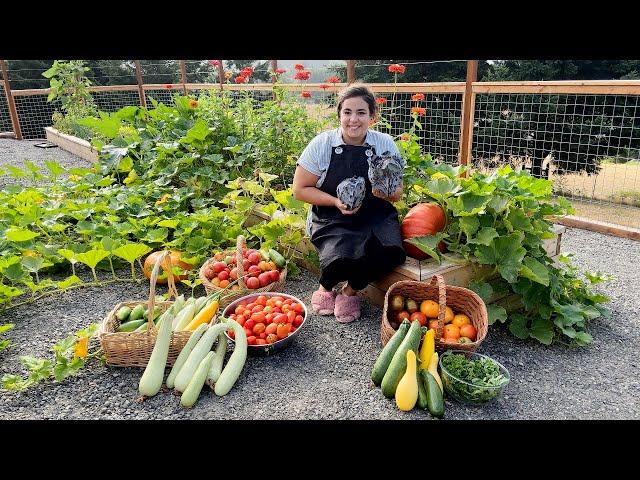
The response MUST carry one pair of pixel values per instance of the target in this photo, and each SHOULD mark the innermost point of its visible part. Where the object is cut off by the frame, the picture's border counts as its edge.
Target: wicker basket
(133, 349)
(235, 294)
(458, 298)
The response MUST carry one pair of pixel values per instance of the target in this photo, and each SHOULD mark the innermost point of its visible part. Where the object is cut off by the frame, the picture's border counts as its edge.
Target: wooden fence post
(15, 120)
(143, 99)
(221, 75)
(183, 76)
(274, 75)
(351, 71)
(468, 107)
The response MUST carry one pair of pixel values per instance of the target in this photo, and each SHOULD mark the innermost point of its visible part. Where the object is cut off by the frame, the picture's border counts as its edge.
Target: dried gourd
(385, 174)
(351, 192)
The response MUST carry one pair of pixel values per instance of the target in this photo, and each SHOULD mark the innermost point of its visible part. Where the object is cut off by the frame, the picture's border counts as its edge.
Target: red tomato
(402, 315)
(258, 328)
(230, 333)
(239, 309)
(251, 340)
(257, 308)
(277, 310)
(298, 321)
(248, 332)
(283, 330)
(233, 274)
(280, 318)
(249, 324)
(272, 338)
(261, 341)
(271, 328)
(420, 317)
(240, 319)
(254, 257)
(261, 300)
(274, 275)
(252, 283)
(258, 317)
(278, 303)
(219, 266)
(263, 335)
(245, 265)
(264, 278)
(223, 275)
(291, 316)
(254, 271)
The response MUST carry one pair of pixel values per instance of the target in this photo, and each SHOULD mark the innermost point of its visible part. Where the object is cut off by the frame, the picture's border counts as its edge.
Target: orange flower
(297, 66)
(405, 137)
(305, 94)
(397, 68)
(168, 86)
(240, 79)
(228, 75)
(381, 100)
(302, 75)
(324, 86)
(419, 110)
(333, 79)
(82, 348)
(193, 103)
(416, 97)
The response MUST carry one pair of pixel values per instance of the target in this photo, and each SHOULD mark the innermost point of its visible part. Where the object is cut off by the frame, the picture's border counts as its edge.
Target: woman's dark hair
(358, 90)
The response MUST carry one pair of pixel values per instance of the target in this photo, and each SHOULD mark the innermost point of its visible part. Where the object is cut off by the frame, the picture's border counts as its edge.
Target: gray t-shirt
(316, 156)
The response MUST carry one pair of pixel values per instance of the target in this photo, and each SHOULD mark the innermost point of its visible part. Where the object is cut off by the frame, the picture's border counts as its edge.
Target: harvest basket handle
(240, 242)
(160, 261)
(442, 303)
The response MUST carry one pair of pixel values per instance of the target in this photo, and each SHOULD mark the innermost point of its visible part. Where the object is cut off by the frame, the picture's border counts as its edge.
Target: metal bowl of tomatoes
(271, 320)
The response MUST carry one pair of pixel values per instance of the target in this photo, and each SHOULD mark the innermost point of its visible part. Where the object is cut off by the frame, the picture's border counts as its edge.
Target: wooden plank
(183, 75)
(30, 92)
(468, 108)
(600, 227)
(427, 87)
(584, 87)
(13, 112)
(113, 88)
(72, 144)
(351, 71)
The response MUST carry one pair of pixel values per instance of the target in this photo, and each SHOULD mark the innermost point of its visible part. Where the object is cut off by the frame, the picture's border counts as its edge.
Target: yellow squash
(204, 316)
(407, 390)
(427, 349)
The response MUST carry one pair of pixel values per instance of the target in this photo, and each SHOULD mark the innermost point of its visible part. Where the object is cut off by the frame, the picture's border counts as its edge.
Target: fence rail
(582, 135)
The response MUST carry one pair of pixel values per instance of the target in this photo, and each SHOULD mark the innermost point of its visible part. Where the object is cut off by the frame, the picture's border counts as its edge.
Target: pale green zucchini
(184, 353)
(236, 361)
(192, 392)
(151, 380)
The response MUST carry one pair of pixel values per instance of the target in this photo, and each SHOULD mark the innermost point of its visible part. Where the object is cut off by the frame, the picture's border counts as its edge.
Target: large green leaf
(496, 313)
(92, 257)
(20, 234)
(506, 253)
(484, 236)
(518, 326)
(428, 244)
(534, 270)
(542, 330)
(131, 251)
(483, 289)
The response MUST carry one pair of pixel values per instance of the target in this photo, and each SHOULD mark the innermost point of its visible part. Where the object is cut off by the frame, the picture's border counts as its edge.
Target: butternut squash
(407, 389)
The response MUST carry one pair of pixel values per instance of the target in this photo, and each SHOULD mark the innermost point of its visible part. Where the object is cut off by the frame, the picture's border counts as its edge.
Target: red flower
(323, 86)
(246, 72)
(302, 75)
(419, 110)
(397, 68)
(381, 100)
(416, 97)
(333, 79)
(240, 79)
(280, 70)
(297, 66)
(305, 94)
(214, 63)
(168, 86)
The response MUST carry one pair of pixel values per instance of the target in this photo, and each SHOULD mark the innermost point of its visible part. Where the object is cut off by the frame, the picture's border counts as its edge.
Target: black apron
(338, 236)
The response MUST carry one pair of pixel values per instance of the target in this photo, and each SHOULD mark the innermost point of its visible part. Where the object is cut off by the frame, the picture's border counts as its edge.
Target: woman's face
(354, 120)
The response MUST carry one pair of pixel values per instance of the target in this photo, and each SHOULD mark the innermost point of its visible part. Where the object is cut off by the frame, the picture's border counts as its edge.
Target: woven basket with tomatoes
(252, 270)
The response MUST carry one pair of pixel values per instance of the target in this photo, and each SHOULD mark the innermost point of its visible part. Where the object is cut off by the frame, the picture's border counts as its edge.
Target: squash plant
(499, 220)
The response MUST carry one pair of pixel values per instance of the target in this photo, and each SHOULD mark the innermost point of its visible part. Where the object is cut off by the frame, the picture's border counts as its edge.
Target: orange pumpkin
(423, 219)
(175, 256)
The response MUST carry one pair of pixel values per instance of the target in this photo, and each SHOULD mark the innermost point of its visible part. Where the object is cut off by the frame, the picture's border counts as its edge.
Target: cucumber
(192, 392)
(435, 402)
(184, 354)
(236, 361)
(137, 312)
(197, 354)
(131, 325)
(277, 258)
(123, 314)
(385, 356)
(423, 401)
(216, 366)
(398, 364)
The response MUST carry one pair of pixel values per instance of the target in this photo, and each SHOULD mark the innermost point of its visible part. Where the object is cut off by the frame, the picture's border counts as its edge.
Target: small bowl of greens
(471, 377)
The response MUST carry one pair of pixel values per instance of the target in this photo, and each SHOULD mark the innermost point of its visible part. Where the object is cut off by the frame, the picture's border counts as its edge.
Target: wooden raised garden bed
(72, 144)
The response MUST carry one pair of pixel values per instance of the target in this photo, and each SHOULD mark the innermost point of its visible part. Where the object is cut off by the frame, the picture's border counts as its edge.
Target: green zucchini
(423, 401)
(277, 258)
(185, 315)
(123, 314)
(151, 379)
(192, 392)
(216, 366)
(435, 402)
(197, 354)
(398, 363)
(184, 353)
(384, 359)
(131, 325)
(173, 310)
(137, 312)
(236, 361)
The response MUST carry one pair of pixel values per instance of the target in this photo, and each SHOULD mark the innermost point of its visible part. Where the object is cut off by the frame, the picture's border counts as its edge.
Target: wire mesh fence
(587, 145)
(111, 101)
(35, 114)
(5, 117)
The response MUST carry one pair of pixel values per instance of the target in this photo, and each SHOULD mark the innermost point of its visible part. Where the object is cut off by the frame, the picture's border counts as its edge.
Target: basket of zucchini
(128, 333)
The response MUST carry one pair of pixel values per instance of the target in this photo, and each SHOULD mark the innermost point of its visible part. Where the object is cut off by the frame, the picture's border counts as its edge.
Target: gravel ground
(325, 373)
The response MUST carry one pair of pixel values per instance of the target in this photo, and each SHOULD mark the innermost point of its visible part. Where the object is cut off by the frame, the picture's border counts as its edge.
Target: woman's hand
(343, 208)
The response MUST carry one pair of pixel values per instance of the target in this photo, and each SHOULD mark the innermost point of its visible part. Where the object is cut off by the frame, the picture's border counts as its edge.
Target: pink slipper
(347, 308)
(323, 303)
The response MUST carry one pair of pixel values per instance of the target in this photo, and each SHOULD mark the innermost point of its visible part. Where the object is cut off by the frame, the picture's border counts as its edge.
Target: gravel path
(325, 373)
